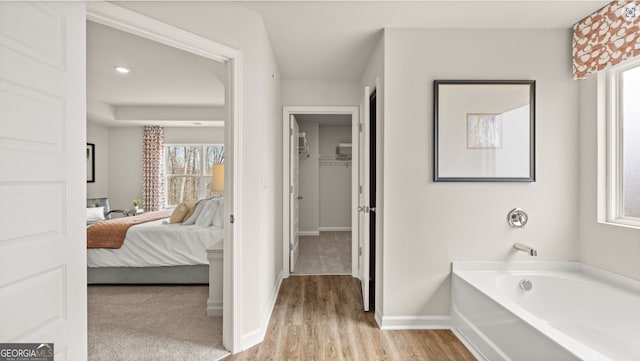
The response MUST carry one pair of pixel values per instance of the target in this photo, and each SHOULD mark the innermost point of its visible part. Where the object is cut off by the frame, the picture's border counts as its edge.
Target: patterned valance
(606, 37)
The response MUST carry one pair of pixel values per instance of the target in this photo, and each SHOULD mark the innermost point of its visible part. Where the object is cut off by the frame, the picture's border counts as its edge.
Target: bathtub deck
(321, 318)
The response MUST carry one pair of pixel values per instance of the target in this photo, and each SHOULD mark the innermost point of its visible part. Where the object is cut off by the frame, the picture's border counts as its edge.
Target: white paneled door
(294, 194)
(42, 176)
(363, 200)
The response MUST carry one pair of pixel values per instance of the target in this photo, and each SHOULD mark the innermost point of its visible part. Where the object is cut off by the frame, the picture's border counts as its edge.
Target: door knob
(299, 197)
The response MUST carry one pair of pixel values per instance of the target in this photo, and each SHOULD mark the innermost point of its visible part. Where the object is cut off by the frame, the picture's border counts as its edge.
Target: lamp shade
(217, 183)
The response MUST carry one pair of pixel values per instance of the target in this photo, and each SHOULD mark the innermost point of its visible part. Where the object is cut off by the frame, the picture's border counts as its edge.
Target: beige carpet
(152, 323)
(326, 254)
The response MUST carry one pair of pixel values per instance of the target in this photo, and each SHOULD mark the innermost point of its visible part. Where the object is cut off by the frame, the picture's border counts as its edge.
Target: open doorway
(133, 23)
(324, 167)
(327, 155)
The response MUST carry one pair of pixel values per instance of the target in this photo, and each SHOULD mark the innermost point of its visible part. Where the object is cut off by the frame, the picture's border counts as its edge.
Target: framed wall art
(91, 163)
(484, 130)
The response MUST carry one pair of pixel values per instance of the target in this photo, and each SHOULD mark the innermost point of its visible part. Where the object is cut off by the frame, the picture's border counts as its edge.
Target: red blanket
(111, 233)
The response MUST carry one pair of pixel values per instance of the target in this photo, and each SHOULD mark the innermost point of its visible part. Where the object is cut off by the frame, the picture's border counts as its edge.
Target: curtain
(607, 37)
(153, 191)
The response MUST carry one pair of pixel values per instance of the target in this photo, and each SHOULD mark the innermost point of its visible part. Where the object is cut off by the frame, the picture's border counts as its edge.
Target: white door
(294, 165)
(43, 176)
(363, 203)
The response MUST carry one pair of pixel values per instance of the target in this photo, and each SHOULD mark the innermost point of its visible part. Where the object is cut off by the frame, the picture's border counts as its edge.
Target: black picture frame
(91, 163)
(486, 108)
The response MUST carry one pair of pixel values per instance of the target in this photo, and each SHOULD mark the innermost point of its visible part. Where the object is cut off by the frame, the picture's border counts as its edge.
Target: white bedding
(154, 244)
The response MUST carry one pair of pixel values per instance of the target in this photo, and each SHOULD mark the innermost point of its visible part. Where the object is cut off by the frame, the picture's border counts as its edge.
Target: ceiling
(312, 40)
(333, 40)
(160, 77)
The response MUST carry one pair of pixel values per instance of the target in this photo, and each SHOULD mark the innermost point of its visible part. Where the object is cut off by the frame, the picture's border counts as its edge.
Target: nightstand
(215, 256)
(132, 212)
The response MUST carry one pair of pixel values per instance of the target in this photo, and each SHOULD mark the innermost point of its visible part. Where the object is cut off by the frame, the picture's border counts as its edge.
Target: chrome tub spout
(524, 248)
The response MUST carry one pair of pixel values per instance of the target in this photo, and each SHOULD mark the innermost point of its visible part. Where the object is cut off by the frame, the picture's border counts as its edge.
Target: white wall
(613, 248)
(427, 225)
(316, 92)
(191, 135)
(125, 166)
(261, 188)
(309, 178)
(334, 181)
(98, 134)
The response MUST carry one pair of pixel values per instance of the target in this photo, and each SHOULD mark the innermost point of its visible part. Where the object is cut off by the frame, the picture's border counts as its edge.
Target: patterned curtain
(153, 192)
(607, 37)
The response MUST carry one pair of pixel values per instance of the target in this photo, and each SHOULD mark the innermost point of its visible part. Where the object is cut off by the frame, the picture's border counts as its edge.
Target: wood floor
(321, 318)
(325, 254)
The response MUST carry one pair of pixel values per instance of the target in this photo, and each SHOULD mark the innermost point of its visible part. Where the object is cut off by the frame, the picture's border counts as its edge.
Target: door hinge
(290, 189)
(359, 250)
(232, 219)
(360, 127)
(360, 189)
(290, 131)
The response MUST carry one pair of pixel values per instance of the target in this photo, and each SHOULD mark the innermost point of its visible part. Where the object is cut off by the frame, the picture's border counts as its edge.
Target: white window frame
(610, 200)
(202, 188)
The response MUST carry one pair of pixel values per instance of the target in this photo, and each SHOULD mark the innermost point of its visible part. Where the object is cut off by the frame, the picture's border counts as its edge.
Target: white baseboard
(256, 336)
(378, 318)
(335, 229)
(415, 323)
(214, 308)
(308, 233)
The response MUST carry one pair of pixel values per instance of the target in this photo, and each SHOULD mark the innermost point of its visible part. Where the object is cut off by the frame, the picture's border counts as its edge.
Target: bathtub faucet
(524, 248)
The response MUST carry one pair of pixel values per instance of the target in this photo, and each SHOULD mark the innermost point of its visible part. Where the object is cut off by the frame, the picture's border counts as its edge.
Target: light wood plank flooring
(321, 318)
(328, 253)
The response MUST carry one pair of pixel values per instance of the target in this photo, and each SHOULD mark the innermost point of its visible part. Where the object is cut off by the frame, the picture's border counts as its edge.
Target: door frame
(355, 158)
(134, 23)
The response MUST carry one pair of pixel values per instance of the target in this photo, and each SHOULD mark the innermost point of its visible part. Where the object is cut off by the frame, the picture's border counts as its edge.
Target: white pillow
(95, 214)
(208, 213)
(192, 219)
(218, 218)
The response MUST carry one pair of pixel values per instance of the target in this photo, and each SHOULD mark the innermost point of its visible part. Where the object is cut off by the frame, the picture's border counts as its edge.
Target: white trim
(378, 318)
(232, 269)
(122, 19)
(334, 229)
(610, 147)
(415, 323)
(131, 22)
(286, 112)
(309, 233)
(256, 336)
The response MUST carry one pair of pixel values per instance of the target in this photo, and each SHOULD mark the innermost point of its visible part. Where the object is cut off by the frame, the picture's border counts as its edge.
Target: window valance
(606, 37)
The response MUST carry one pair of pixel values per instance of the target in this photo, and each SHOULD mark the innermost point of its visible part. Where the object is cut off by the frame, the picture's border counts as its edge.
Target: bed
(185, 248)
(188, 251)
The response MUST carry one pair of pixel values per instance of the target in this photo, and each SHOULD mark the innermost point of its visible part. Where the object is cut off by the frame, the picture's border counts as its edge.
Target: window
(190, 171)
(623, 145)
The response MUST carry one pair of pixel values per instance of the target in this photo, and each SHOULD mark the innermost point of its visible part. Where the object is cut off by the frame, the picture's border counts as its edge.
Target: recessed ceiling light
(122, 69)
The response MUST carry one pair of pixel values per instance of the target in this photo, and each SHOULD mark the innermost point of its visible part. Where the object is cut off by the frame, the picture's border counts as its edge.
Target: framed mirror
(484, 131)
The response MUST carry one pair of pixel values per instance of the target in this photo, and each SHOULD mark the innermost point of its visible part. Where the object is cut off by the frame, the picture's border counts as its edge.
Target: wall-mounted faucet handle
(517, 218)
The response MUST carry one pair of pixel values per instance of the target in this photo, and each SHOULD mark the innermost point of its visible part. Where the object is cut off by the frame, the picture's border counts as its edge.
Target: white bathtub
(573, 312)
